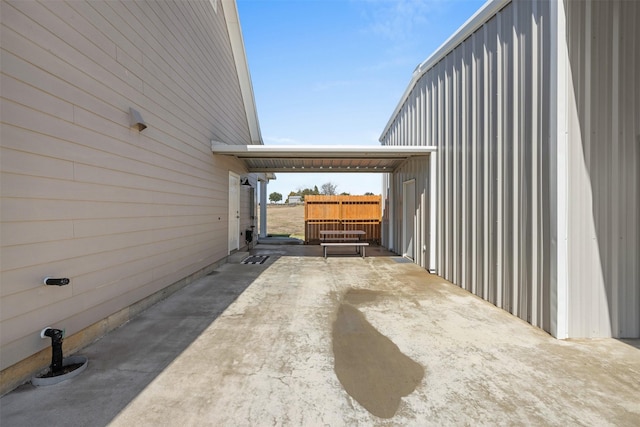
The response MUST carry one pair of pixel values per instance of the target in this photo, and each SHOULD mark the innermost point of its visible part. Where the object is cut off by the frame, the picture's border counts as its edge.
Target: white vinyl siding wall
(123, 214)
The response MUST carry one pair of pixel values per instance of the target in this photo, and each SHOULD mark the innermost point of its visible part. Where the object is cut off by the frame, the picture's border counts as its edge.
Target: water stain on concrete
(371, 368)
(360, 296)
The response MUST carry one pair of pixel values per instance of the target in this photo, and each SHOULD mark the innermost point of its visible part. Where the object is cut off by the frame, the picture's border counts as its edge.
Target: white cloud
(397, 20)
(384, 63)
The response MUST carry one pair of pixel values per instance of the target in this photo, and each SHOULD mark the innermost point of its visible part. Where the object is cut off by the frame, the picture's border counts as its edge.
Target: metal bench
(342, 238)
(358, 245)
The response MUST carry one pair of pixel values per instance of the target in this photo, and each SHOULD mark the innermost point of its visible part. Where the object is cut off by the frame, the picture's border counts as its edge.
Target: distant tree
(344, 193)
(328, 189)
(304, 192)
(275, 197)
(369, 193)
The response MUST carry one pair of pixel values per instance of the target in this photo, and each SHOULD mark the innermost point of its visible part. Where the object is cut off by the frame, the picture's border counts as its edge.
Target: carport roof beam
(321, 158)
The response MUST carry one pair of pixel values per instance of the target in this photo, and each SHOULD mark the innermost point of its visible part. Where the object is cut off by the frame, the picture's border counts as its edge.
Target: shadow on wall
(604, 208)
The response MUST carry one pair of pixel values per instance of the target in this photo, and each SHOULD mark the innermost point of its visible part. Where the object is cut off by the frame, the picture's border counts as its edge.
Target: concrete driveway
(306, 341)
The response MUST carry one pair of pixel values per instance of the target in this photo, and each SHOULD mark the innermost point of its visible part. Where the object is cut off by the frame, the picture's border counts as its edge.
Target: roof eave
(242, 68)
(321, 158)
(490, 8)
(333, 151)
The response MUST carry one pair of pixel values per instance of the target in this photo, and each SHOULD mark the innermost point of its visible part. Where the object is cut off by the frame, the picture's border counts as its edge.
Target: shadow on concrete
(315, 250)
(125, 361)
(197, 358)
(632, 342)
(280, 240)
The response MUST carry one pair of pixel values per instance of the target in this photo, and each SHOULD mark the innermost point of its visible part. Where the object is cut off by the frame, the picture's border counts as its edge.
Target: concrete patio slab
(259, 345)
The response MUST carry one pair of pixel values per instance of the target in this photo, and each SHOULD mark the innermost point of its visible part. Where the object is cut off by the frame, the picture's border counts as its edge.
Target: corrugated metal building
(532, 200)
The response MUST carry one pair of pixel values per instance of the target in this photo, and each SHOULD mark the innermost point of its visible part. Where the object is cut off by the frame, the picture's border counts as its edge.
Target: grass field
(285, 220)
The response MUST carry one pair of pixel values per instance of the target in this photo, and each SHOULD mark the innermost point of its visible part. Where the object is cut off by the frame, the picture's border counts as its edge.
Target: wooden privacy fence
(342, 213)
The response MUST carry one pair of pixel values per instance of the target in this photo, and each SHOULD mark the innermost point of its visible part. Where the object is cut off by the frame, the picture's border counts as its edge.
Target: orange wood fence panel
(342, 213)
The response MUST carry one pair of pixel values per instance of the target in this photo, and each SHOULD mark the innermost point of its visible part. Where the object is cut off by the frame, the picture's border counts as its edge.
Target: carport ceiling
(321, 158)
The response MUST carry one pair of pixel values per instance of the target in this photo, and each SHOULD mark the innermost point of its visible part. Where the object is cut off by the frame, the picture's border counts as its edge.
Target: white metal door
(408, 218)
(234, 212)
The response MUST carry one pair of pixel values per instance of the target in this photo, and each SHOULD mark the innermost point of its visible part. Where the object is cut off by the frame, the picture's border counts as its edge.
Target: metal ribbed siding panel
(604, 169)
(554, 240)
(482, 106)
(415, 169)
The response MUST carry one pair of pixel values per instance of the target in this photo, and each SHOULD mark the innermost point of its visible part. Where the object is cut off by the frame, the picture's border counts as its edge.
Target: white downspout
(263, 208)
(392, 210)
(433, 214)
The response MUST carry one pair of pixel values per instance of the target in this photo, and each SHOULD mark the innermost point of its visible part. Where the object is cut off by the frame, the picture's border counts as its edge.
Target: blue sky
(331, 72)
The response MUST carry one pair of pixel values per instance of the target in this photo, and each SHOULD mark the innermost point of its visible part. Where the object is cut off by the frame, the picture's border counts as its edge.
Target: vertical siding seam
(499, 148)
(615, 210)
(515, 260)
(464, 154)
(493, 116)
(559, 119)
(455, 190)
(472, 152)
(534, 170)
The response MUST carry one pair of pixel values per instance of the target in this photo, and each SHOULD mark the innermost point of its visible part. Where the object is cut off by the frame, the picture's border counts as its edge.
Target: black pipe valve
(56, 336)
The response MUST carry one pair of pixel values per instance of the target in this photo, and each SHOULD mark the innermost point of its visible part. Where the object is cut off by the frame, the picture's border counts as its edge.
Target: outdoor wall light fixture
(245, 181)
(51, 281)
(136, 120)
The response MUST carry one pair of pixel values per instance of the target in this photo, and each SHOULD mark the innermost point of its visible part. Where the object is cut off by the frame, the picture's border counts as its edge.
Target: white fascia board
(242, 68)
(332, 151)
(486, 12)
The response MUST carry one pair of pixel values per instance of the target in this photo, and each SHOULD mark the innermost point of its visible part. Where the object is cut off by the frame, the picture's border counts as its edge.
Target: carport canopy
(322, 158)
